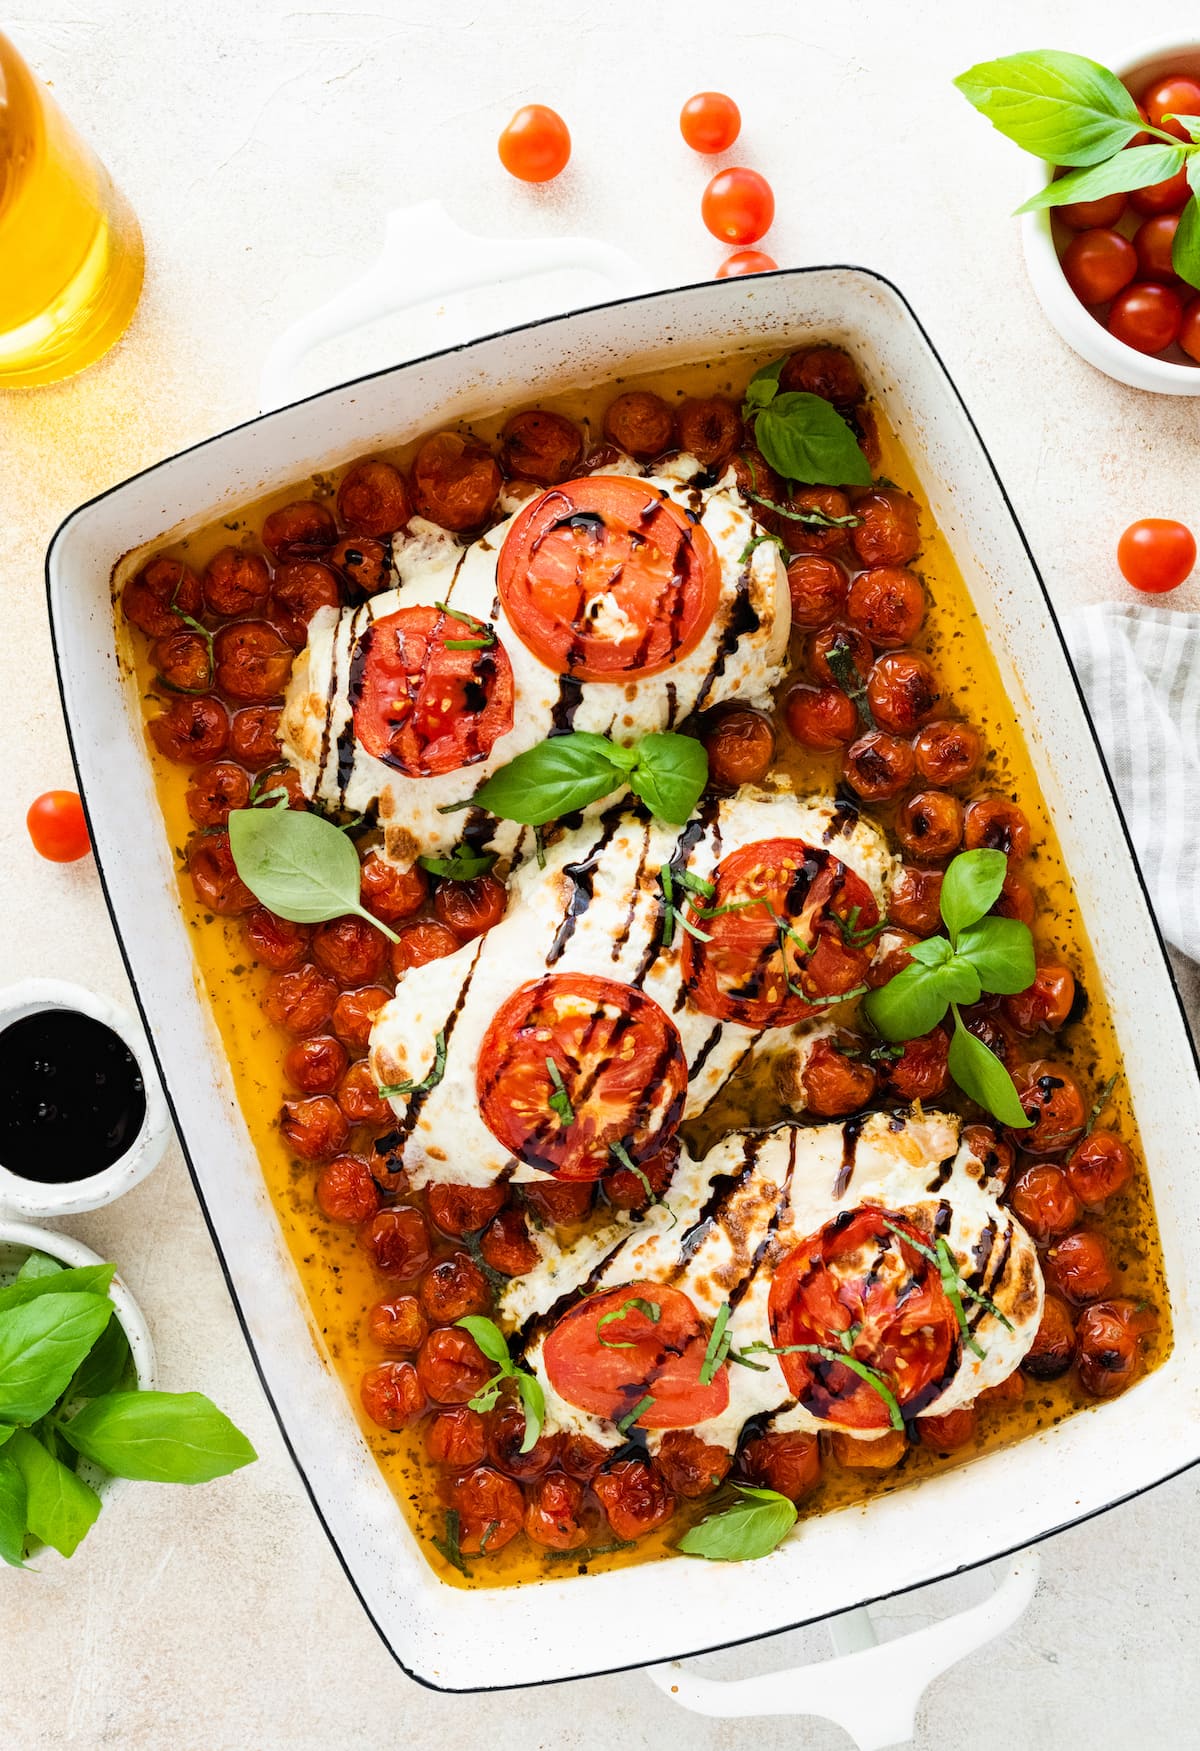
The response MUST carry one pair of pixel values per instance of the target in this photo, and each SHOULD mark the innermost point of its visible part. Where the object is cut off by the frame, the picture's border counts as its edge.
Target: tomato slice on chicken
(615, 1350)
(785, 926)
(857, 1287)
(608, 579)
(421, 701)
(572, 1065)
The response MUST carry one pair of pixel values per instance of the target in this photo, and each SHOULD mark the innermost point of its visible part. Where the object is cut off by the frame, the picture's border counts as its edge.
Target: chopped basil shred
(392, 1090)
(560, 1100)
(873, 1378)
(448, 1545)
(841, 664)
(650, 1309)
(630, 1418)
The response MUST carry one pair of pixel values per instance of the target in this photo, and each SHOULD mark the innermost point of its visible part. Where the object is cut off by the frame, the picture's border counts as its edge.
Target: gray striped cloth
(1139, 668)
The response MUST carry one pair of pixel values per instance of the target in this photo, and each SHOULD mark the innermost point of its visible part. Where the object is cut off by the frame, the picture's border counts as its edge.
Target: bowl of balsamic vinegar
(82, 1114)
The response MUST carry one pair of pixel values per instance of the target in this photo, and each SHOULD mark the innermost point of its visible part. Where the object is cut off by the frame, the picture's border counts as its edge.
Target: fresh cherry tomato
(738, 205)
(1153, 241)
(535, 145)
(746, 261)
(1098, 265)
(1176, 95)
(1189, 333)
(1086, 215)
(1166, 196)
(57, 827)
(710, 122)
(1156, 554)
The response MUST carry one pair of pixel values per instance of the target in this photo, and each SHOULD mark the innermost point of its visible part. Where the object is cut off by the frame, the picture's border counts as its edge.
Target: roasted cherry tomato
(420, 943)
(254, 736)
(826, 371)
(463, 1209)
(878, 766)
(396, 1241)
(692, 1467)
(392, 1395)
(315, 1065)
(561, 1203)
(740, 744)
(746, 261)
(710, 121)
(1042, 1199)
(881, 1454)
(788, 1462)
(1053, 1099)
(1112, 1339)
(156, 598)
(606, 579)
(626, 1189)
(299, 588)
(541, 446)
(1156, 554)
(1053, 1347)
(787, 943)
(184, 660)
(214, 875)
(581, 1457)
(949, 1432)
(608, 1354)
(1099, 1167)
(391, 893)
(398, 1325)
(1046, 1003)
(536, 144)
(553, 1513)
(948, 752)
(506, 1246)
(826, 502)
(922, 1071)
(425, 704)
(930, 825)
(710, 430)
(640, 423)
(354, 1015)
(915, 900)
(824, 718)
(818, 588)
(213, 791)
(738, 205)
(892, 955)
(999, 825)
(471, 907)
(506, 1432)
(456, 1437)
(573, 1066)
(303, 527)
(252, 661)
(452, 1367)
(887, 604)
(301, 1000)
(454, 1287)
(1080, 1266)
(832, 1082)
(456, 481)
(373, 498)
(57, 826)
(276, 942)
(1098, 265)
(858, 1278)
(1146, 316)
(995, 1156)
(490, 1510)
(363, 564)
(347, 1193)
(888, 530)
(349, 949)
(236, 582)
(634, 1495)
(314, 1129)
(359, 1097)
(191, 731)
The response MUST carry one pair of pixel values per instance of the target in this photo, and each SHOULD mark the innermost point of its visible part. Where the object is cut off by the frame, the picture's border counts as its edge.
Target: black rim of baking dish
(447, 352)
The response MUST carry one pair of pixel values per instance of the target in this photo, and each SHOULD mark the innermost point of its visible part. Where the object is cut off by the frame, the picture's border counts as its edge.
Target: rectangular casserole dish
(459, 1640)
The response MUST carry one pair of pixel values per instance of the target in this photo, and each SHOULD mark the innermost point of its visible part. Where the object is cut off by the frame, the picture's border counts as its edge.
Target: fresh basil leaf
(103, 1368)
(971, 886)
(764, 385)
(1191, 123)
(559, 775)
(7, 1431)
(979, 1073)
(1001, 952)
(805, 438)
(670, 773)
(908, 1005)
(534, 1401)
(60, 1508)
(1060, 107)
(1134, 168)
(13, 1513)
(746, 1530)
(38, 1264)
(163, 1437)
(462, 865)
(490, 1339)
(959, 981)
(298, 864)
(41, 1345)
(1185, 250)
(935, 951)
(81, 1280)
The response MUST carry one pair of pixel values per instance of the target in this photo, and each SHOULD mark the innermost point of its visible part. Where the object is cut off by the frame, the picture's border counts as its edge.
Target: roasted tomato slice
(776, 952)
(608, 1354)
(421, 702)
(607, 579)
(856, 1283)
(572, 1065)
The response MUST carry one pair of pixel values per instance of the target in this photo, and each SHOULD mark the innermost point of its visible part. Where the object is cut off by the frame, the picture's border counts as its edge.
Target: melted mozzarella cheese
(729, 1220)
(740, 656)
(596, 908)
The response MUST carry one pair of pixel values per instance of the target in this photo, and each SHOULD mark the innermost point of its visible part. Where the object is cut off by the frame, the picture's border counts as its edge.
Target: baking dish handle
(426, 257)
(871, 1689)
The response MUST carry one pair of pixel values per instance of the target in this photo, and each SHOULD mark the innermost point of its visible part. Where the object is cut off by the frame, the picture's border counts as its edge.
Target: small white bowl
(17, 1241)
(1073, 320)
(25, 1197)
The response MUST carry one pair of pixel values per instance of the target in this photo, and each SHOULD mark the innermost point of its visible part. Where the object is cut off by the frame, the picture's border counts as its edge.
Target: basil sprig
(565, 773)
(298, 864)
(63, 1361)
(494, 1345)
(1072, 111)
(746, 1529)
(979, 954)
(802, 436)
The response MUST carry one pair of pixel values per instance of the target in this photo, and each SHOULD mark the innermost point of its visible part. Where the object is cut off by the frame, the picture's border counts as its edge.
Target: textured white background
(260, 145)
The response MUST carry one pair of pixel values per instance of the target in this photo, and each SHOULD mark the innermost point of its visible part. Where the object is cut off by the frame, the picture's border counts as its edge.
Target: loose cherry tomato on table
(57, 826)
(710, 121)
(738, 205)
(1156, 554)
(1146, 316)
(536, 144)
(746, 261)
(1098, 265)
(1176, 95)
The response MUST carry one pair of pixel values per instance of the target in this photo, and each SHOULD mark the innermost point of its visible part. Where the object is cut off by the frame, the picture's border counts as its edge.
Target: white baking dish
(459, 1640)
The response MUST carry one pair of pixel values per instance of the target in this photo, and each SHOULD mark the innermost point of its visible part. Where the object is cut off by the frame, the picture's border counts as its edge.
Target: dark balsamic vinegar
(72, 1099)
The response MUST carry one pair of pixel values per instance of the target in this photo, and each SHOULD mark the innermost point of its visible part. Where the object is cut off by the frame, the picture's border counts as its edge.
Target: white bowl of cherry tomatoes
(1102, 269)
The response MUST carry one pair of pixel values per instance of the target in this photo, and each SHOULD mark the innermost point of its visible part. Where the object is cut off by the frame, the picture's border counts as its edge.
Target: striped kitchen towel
(1140, 671)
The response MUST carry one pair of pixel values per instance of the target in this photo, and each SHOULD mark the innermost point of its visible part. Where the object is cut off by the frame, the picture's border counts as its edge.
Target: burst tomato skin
(57, 827)
(710, 122)
(1156, 554)
(738, 205)
(536, 144)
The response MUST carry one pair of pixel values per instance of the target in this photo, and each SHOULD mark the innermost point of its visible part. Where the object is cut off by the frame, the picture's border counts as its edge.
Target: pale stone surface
(260, 144)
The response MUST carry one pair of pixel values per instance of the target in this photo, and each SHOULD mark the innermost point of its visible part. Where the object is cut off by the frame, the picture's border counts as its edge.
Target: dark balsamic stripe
(851, 1132)
(412, 1112)
(582, 876)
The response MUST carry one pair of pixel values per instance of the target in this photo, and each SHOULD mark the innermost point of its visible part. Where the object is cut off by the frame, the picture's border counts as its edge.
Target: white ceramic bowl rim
(26, 1197)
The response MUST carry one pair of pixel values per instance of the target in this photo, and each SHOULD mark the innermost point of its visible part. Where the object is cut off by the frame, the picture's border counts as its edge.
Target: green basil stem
(761, 541)
(814, 519)
(943, 1258)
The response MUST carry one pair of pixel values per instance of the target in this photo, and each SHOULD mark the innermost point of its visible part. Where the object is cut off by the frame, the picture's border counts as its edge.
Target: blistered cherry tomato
(456, 1437)
(452, 1366)
(373, 498)
(625, 1190)
(490, 1509)
(276, 942)
(1099, 1167)
(456, 481)
(692, 1467)
(799, 537)
(635, 1496)
(469, 908)
(950, 1431)
(156, 597)
(350, 950)
(561, 1203)
(359, 1097)
(542, 446)
(848, 648)
(1098, 265)
(57, 826)
(420, 943)
(390, 893)
(640, 423)
(995, 1156)
(506, 1431)
(254, 736)
(1053, 1099)
(1015, 899)
(710, 430)
(878, 766)
(397, 1242)
(454, 1287)
(930, 825)
(1156, 554)
(301, 1001)
(880, 1454)
(746, 261)
(252, 661)
(214, 875)
(999, 825)
(948, 752)
(1176, 95)
(354, 1015)
(891, 957)
(536, 144)
(314, 1129)
(1053, 1347)
(829, 372)
(887, 604)
(392, 1395)
(347, 1193)
(315, 1065)
(184, 661)
(821, 717)
(915, 900)
(889, 530)
(1080, 1266)
(397, 1325)
(738, 205)
(214, 790)
(1042, 1199)
(298, 590)
(740, 743)
(463, 1209)
(922, 1071)
(902, 692)
(710, 121)
(833, 1084)
(581, 1457)
(191, 731)
(301, 527)
(1112, 1338)
(235, 582)
(818, 589)
(362, 563)
(506, 1246)
(1146, 316)
(553, 1510)
(1045, 1004)
(789, 1463)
